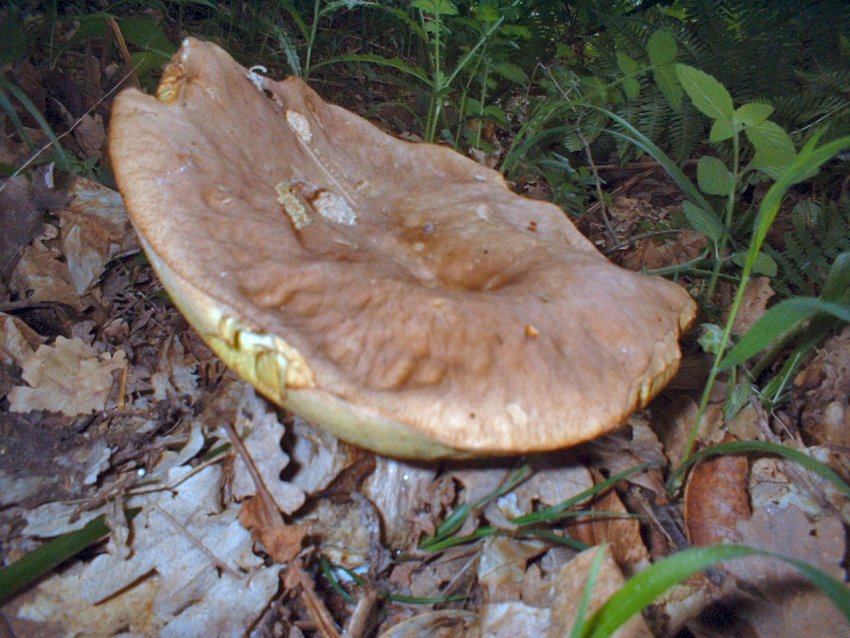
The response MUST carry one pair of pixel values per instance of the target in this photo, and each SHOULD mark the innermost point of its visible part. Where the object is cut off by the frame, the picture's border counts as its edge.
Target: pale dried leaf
(512, 619)
(68, 377)
(17, 340)
(502, 567)
(41, 277)
(192, 572)
(446, 623)
(569, 589)
(265, 432)
(397, 490)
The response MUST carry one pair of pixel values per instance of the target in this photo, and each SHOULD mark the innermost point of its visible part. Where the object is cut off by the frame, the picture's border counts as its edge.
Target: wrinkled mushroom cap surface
(396, 294)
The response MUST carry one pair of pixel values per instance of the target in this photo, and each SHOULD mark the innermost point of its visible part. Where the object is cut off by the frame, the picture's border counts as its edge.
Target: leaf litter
(132, 411)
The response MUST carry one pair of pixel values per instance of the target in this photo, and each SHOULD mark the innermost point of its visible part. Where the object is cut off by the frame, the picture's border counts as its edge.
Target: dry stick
(125, 52)
(325, 624)
(270, 512)
(358, 622)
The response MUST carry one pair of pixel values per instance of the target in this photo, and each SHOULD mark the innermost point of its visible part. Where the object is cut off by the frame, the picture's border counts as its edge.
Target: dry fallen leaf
(716, 499)
(68, 377)
(569, 588)
(95, 229)
(41, 276)
(753, 304)
(191, 573)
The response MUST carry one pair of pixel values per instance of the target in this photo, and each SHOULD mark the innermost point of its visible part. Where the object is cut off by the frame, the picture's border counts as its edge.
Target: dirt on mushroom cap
(397, 294)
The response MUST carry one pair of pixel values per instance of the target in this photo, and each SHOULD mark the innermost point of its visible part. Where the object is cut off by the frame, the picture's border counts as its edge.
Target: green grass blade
(580, 620)
(642, 589)
(64, 162)
(642, 142)
(40, 561)
(373, 58)
(776, 322)
(744, 447)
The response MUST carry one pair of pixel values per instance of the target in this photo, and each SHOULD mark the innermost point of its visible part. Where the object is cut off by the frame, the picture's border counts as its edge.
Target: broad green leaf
(631, 87)
(763, 264)
(495, 113)
(769, 137)
(709, 96)
(713, 177)
(510, 71)
(704, 221)
(722, 129)
(665, 78)
(774, 147)
(627, 65)
(777, 321)
(145, 32)
(645, 587)
(753, 113)
(435, 7)
(662, 48)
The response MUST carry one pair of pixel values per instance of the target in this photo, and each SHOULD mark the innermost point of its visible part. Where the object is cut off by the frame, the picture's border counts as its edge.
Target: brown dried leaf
(41, 276)
(569, 589)
(716, 499)
(786, 604)
(502, 566)
(22, 206)
(622, 534)
(753, 304)
(822, 393)
(95, 228)
(282, 542)
(68, 377)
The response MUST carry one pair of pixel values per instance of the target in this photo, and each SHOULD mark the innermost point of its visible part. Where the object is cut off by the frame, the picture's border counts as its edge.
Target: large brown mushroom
(396, 294)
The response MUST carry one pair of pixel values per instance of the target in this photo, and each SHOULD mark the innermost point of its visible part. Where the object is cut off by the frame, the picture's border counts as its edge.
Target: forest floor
(115, 417)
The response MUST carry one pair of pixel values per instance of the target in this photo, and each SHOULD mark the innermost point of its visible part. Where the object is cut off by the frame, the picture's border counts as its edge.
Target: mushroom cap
(396, 294)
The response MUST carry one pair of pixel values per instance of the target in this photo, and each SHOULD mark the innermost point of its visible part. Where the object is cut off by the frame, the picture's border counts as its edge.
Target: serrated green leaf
(774, 148)
(627, 65)
(704, 221)
(662, 48)
(709, 96)
(722, 129)
(769, 137)
(510, 71)
(753, 113)
(713, 177)
(665, 78)
(631, 88)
